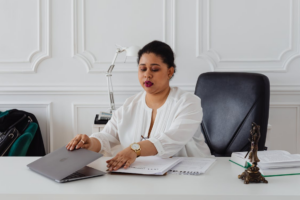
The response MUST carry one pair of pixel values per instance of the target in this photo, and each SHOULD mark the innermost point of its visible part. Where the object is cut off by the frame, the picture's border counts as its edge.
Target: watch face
(135, 146)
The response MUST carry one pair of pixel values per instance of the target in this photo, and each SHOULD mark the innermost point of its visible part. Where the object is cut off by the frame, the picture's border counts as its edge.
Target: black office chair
(231, 102)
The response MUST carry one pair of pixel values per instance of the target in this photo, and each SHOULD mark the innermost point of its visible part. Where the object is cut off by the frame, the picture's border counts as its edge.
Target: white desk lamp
(130, 51)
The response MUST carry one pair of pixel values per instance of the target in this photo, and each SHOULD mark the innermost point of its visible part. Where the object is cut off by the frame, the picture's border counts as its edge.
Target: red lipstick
(148, 83)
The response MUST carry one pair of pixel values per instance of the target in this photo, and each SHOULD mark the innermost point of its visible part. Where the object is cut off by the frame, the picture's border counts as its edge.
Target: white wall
(54, 54)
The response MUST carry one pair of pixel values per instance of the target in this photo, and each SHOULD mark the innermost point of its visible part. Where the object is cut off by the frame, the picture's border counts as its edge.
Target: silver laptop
(63, 165)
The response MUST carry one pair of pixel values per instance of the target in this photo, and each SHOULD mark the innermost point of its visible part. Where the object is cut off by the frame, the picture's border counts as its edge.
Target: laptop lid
(62, 162)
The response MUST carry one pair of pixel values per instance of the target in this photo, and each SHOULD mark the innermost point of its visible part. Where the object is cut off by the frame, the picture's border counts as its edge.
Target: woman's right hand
(81, 141)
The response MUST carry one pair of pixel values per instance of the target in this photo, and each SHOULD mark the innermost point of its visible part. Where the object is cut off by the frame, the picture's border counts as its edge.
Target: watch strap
(137, 151)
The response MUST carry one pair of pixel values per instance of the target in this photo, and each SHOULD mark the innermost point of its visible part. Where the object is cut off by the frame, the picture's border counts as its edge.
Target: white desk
(220, 182)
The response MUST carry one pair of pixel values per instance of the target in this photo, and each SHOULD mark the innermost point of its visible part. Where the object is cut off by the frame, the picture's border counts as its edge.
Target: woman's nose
(148, 75)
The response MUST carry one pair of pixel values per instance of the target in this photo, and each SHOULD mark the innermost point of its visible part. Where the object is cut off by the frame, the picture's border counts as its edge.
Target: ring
(82, 141)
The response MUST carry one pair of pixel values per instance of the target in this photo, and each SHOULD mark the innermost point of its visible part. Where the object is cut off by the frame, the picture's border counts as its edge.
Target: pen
(144, 138)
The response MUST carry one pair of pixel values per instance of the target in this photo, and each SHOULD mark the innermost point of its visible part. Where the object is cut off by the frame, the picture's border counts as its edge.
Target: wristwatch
(136, 148)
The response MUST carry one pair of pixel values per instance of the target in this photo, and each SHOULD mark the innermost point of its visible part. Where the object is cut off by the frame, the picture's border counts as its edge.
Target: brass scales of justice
(252, 174)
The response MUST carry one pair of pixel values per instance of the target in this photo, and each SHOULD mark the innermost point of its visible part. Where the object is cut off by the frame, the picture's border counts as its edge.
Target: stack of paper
(151, 165)
(272, 163)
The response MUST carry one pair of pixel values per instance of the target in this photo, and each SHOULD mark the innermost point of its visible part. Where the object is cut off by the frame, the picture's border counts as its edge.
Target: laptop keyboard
(74, 175)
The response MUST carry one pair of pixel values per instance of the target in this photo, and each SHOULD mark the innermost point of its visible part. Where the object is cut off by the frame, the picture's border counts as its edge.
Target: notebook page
(192, 166)
(150, 165)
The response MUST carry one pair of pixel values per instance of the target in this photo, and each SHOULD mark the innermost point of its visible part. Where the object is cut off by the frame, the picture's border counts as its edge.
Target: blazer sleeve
(186, 122)
(109, 137)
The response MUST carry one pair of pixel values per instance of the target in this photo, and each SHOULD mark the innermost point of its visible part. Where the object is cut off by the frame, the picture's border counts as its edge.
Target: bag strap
(17, 122)
(25, 127)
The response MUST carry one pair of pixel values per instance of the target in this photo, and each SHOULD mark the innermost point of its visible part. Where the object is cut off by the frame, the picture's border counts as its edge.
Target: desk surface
(219, 182)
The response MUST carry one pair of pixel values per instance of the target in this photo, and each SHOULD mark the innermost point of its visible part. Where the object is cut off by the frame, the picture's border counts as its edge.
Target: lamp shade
(132, 50)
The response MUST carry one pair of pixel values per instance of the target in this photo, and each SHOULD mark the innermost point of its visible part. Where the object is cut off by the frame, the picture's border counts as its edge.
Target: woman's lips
(148, 83)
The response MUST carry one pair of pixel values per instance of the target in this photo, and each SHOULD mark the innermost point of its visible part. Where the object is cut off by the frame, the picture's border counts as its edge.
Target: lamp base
(96, 121)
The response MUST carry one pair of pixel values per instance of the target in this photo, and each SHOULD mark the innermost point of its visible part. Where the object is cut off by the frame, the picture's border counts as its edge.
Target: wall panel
(127, 25)
(24, 35)
(285, 123)
(254, 37)
(43, 113)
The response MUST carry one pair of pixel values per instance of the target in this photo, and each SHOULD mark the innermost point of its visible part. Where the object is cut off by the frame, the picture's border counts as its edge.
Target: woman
(168, 118)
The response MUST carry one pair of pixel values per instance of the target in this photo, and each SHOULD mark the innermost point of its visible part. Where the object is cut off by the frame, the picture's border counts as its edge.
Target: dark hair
(160, 49)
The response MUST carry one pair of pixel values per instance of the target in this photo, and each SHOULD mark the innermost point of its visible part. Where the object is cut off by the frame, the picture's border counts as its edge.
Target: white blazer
(175, 132)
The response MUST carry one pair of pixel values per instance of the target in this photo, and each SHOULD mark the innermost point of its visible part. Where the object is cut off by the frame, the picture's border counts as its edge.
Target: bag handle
(29, 121)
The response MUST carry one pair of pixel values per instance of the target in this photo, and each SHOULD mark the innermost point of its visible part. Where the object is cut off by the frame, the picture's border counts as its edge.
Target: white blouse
(175, 132)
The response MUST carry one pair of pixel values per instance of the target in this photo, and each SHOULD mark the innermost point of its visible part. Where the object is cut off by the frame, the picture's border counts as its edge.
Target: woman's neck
(156, 100)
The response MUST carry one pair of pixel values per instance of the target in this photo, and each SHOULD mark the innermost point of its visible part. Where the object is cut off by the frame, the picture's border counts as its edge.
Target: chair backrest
(231, 101)
(21, 145)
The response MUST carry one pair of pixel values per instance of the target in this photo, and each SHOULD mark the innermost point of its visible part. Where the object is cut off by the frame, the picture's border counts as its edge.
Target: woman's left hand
(124, 158)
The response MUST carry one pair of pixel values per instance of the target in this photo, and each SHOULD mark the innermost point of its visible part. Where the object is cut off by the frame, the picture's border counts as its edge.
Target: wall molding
(215, 60)
(89, 59)
(29, 58)
(49, 126)
(297, 107)
(119, 89)
(37, 56)
(220, 59)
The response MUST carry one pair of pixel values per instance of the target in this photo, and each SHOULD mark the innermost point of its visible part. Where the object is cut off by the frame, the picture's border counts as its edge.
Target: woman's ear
(171, 72)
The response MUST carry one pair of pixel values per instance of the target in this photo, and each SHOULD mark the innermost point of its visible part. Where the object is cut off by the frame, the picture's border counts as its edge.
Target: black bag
(12, 126)
(8, 137)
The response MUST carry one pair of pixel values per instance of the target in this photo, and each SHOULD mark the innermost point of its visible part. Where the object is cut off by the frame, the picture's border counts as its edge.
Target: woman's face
(154, 75)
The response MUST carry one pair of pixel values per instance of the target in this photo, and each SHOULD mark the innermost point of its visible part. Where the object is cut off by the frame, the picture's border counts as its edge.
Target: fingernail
(71, 149)
(115, 168)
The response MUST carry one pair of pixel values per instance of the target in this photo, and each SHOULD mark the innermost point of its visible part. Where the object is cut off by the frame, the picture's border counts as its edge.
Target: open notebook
(192, 166)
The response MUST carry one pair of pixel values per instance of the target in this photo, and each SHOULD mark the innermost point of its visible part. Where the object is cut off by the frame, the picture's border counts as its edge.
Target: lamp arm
(111, 67)
(110, 92)
(109, 81)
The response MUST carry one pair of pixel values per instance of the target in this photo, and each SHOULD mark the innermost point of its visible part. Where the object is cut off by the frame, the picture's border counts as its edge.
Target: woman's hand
(85, 142)
(124, 158)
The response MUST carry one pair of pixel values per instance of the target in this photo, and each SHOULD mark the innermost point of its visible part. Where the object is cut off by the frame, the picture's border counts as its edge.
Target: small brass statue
(252, 174)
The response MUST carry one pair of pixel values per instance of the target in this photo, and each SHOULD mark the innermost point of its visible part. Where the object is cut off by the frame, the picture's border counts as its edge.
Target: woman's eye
(145, 69)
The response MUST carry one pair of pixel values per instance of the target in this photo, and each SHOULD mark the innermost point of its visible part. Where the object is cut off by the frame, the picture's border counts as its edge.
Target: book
(272, 162)
(104, 116)
(280, 171)
(192, 166)
(151, 165)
